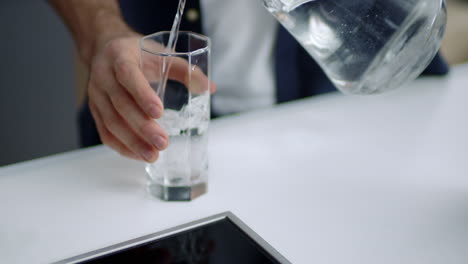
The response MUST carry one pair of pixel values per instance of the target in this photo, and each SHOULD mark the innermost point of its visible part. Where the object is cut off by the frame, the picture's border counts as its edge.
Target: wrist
(107, 26)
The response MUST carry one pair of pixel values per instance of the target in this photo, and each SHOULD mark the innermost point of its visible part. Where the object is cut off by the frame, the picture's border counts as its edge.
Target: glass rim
(167, 54)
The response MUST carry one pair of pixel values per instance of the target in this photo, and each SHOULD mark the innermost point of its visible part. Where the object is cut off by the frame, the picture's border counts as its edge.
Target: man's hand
(121, 100)
(123, 103)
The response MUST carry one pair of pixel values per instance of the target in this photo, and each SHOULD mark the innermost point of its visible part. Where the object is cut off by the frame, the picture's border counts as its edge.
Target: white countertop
(333, 179)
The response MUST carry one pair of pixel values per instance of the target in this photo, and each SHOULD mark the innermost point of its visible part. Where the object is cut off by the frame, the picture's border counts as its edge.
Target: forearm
(91, 22)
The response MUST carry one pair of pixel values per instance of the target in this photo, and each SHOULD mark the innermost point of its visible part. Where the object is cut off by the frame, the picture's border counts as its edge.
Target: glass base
(177, 193)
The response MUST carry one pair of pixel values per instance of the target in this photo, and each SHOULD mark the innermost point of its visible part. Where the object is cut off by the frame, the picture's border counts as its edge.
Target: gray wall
(37, 97)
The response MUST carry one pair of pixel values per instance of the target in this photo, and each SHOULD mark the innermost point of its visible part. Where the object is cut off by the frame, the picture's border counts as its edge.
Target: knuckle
(135, 146)
(123, 152)
(98, 68)
(99, 71)
(92, 105)
(146, 127)
(92, 90)
(114, 46)
(106, 139)
(112, 124)
(118, 99)
(123, 69)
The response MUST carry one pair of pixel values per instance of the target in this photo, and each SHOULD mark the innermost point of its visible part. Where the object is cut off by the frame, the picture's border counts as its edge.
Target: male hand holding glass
(120, 96)
(122, 102)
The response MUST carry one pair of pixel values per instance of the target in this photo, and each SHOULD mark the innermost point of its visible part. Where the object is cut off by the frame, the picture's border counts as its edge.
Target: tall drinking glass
(365, 46)
(180, 78)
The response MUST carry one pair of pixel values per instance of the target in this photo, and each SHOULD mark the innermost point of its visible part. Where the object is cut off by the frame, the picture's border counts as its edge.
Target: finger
(192, 76)
(213, 87)
(144, 126)
(180, 70)
(119, 128)
(129, 75)
(108, 139)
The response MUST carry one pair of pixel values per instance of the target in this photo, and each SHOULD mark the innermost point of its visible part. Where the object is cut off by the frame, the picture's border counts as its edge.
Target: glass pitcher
(365, 46)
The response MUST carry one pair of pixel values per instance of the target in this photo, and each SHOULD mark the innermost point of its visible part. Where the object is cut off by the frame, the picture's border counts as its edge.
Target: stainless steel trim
(177, 229)
(257, 238)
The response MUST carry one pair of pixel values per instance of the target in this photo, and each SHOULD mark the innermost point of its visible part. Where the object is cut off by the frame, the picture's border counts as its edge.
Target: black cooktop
(222, 238)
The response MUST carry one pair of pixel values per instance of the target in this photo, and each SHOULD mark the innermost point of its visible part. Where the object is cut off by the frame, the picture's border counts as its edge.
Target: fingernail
(148, 155)
(154, 111)
(159, 142)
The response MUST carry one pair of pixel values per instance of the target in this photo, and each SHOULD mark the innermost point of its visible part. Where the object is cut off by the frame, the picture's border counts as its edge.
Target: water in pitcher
(365, 46)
